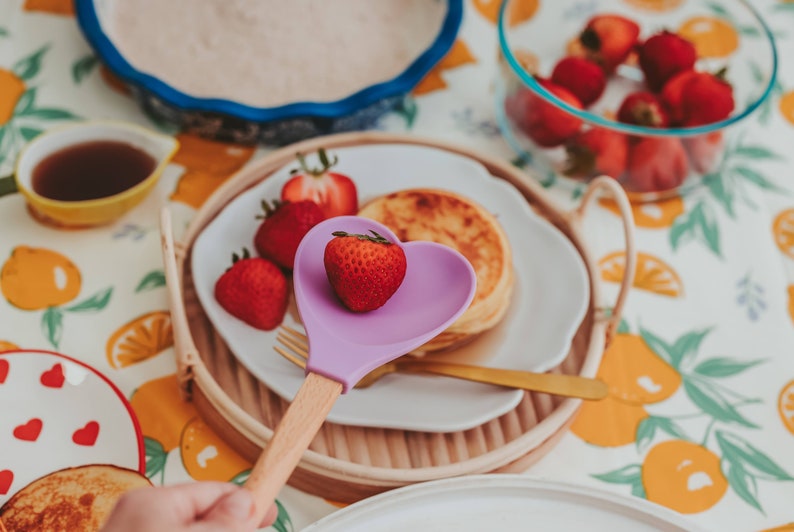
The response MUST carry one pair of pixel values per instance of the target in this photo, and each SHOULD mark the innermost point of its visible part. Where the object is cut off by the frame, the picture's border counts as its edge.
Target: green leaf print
(630, 475)
(647, 428)
(408, 110)
(83, 67)
(156, 458)
(52, 325)
(713, 402)
(686, 347)
(283, 522)
(29, 66)
(153, 279)
(743, 484)
(4, 32)
(29, 133)
(754, 152)
(723, 367)
(735, 449)
(698, 224)
(96, 302)
(658, 346)
(26, 102)
(48, 113)
(722, 193)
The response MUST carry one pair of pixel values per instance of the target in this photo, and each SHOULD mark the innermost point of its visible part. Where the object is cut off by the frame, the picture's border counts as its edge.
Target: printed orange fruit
(55, 7)
(7, 346)
(520, 10)
(712, 37)
(140, 339)
(11, 89)
(786, 106)
(38, 278)
(656, 5)
(161, 411)
(208, 163)
(683, 476)
(608, 422)
(791, 301)
(652, 274)
(206, 456)
(650, 215)
(785, 406)
(458, 55)
(783, 232)
(636, 374)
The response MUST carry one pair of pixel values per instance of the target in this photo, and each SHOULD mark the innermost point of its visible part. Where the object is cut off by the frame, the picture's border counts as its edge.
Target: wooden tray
(346, 463)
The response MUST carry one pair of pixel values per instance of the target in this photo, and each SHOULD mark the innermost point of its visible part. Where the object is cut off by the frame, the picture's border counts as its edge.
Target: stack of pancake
(448, 218)
(78, 498)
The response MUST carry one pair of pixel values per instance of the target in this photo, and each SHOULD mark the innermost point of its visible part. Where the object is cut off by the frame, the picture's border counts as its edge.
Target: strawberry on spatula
(364, 270)
(253, 290)
(335, 193)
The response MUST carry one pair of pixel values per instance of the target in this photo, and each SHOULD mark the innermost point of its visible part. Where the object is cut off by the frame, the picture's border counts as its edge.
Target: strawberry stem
(378, 239)
(268, 209)
(245, 255)
(590, 40)
(325, 163)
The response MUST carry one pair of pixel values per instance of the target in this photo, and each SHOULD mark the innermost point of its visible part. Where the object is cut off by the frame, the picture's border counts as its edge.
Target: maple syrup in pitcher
(91, 170)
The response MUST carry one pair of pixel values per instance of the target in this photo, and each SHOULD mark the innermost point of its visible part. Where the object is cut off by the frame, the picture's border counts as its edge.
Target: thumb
(232, 512)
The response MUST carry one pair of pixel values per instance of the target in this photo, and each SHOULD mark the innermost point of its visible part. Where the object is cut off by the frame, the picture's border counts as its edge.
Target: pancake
(78, 498)
(456, 221)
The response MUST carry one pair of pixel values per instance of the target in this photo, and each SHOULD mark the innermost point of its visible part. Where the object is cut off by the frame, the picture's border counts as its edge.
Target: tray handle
(612, 188)
(186, 352)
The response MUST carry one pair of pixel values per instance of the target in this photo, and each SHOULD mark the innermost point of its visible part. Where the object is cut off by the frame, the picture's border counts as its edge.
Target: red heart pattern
(3, 370)
(53, 377)
(6, 479)
(87, 435)
(29, 431)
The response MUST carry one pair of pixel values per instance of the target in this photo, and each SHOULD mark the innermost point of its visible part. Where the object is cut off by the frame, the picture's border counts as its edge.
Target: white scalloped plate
(505, 503)
(550, 296)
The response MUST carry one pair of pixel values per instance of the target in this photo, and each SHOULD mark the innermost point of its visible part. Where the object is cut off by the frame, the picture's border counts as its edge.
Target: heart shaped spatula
(344, 346)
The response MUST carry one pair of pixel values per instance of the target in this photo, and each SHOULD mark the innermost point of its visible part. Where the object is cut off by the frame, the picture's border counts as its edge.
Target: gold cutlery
(565, 385)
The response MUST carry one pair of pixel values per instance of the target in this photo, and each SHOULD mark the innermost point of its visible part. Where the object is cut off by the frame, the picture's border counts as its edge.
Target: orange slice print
(683, 476)
(55, 7)
(608, 422)
(783, 232)
(520, 10)
(652, 215)
(656, 5)
(636, 374)
(11, 89)
(206, 456)
(652, 275)
(37, 278)
(458, 55)
(786, 106)
(140, 339)
(785, 406)
(161, 411)
(207, 163)
(712, 37)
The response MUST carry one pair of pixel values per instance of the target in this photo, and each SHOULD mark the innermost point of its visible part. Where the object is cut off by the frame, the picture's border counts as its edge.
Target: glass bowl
(650, 162)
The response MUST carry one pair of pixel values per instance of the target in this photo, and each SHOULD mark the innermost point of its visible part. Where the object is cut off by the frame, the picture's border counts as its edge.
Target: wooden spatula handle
(292, 436)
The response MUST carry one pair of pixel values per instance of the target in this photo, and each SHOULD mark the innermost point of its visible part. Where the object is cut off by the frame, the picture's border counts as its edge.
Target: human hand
(194, 507)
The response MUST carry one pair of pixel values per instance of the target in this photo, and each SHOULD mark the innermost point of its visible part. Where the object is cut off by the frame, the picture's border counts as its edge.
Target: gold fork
(565, 385)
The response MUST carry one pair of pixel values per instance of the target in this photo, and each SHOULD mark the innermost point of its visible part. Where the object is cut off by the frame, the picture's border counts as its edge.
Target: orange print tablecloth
(700, 416)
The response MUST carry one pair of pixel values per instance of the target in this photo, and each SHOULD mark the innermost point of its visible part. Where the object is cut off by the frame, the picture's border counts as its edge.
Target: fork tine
(295, 360)
(293, 345)
(297, 335)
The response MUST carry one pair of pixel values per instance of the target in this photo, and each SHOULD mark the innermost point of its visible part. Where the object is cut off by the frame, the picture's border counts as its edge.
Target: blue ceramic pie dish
(228, 120)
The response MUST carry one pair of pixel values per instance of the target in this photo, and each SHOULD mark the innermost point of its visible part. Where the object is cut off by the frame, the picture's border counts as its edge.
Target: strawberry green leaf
(630, 474)
(52, 325)
(29, 66)
(686, 347)
(29, 133)
(723, 367)
(658, 346)
(156, 457)
(648, 427)
(743, 484)
(710, 400)
(26, 102)
(735, 449)
(96, 302)
(153, 279)
(49, 114)
(83, 67)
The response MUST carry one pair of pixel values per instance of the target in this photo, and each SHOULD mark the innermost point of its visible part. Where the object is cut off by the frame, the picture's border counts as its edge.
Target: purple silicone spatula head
(344, 346)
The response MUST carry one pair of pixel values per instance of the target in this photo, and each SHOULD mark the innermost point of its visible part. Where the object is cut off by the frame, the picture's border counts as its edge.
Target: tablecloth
(700, 416)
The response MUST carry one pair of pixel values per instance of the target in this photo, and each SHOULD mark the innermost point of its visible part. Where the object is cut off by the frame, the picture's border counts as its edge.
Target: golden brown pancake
(78, 498)
(454, 220)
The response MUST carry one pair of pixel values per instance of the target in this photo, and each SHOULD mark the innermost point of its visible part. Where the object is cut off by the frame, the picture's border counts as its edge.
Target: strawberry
(597, 151)
(656, 164)
(364, 271)
(609, 39)
(704, 150)
(583, 78)
(253, 290)
(696, 98)
(336, 193)
(664, 55)
(643, 109)
(284, 226)
(543, 122)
